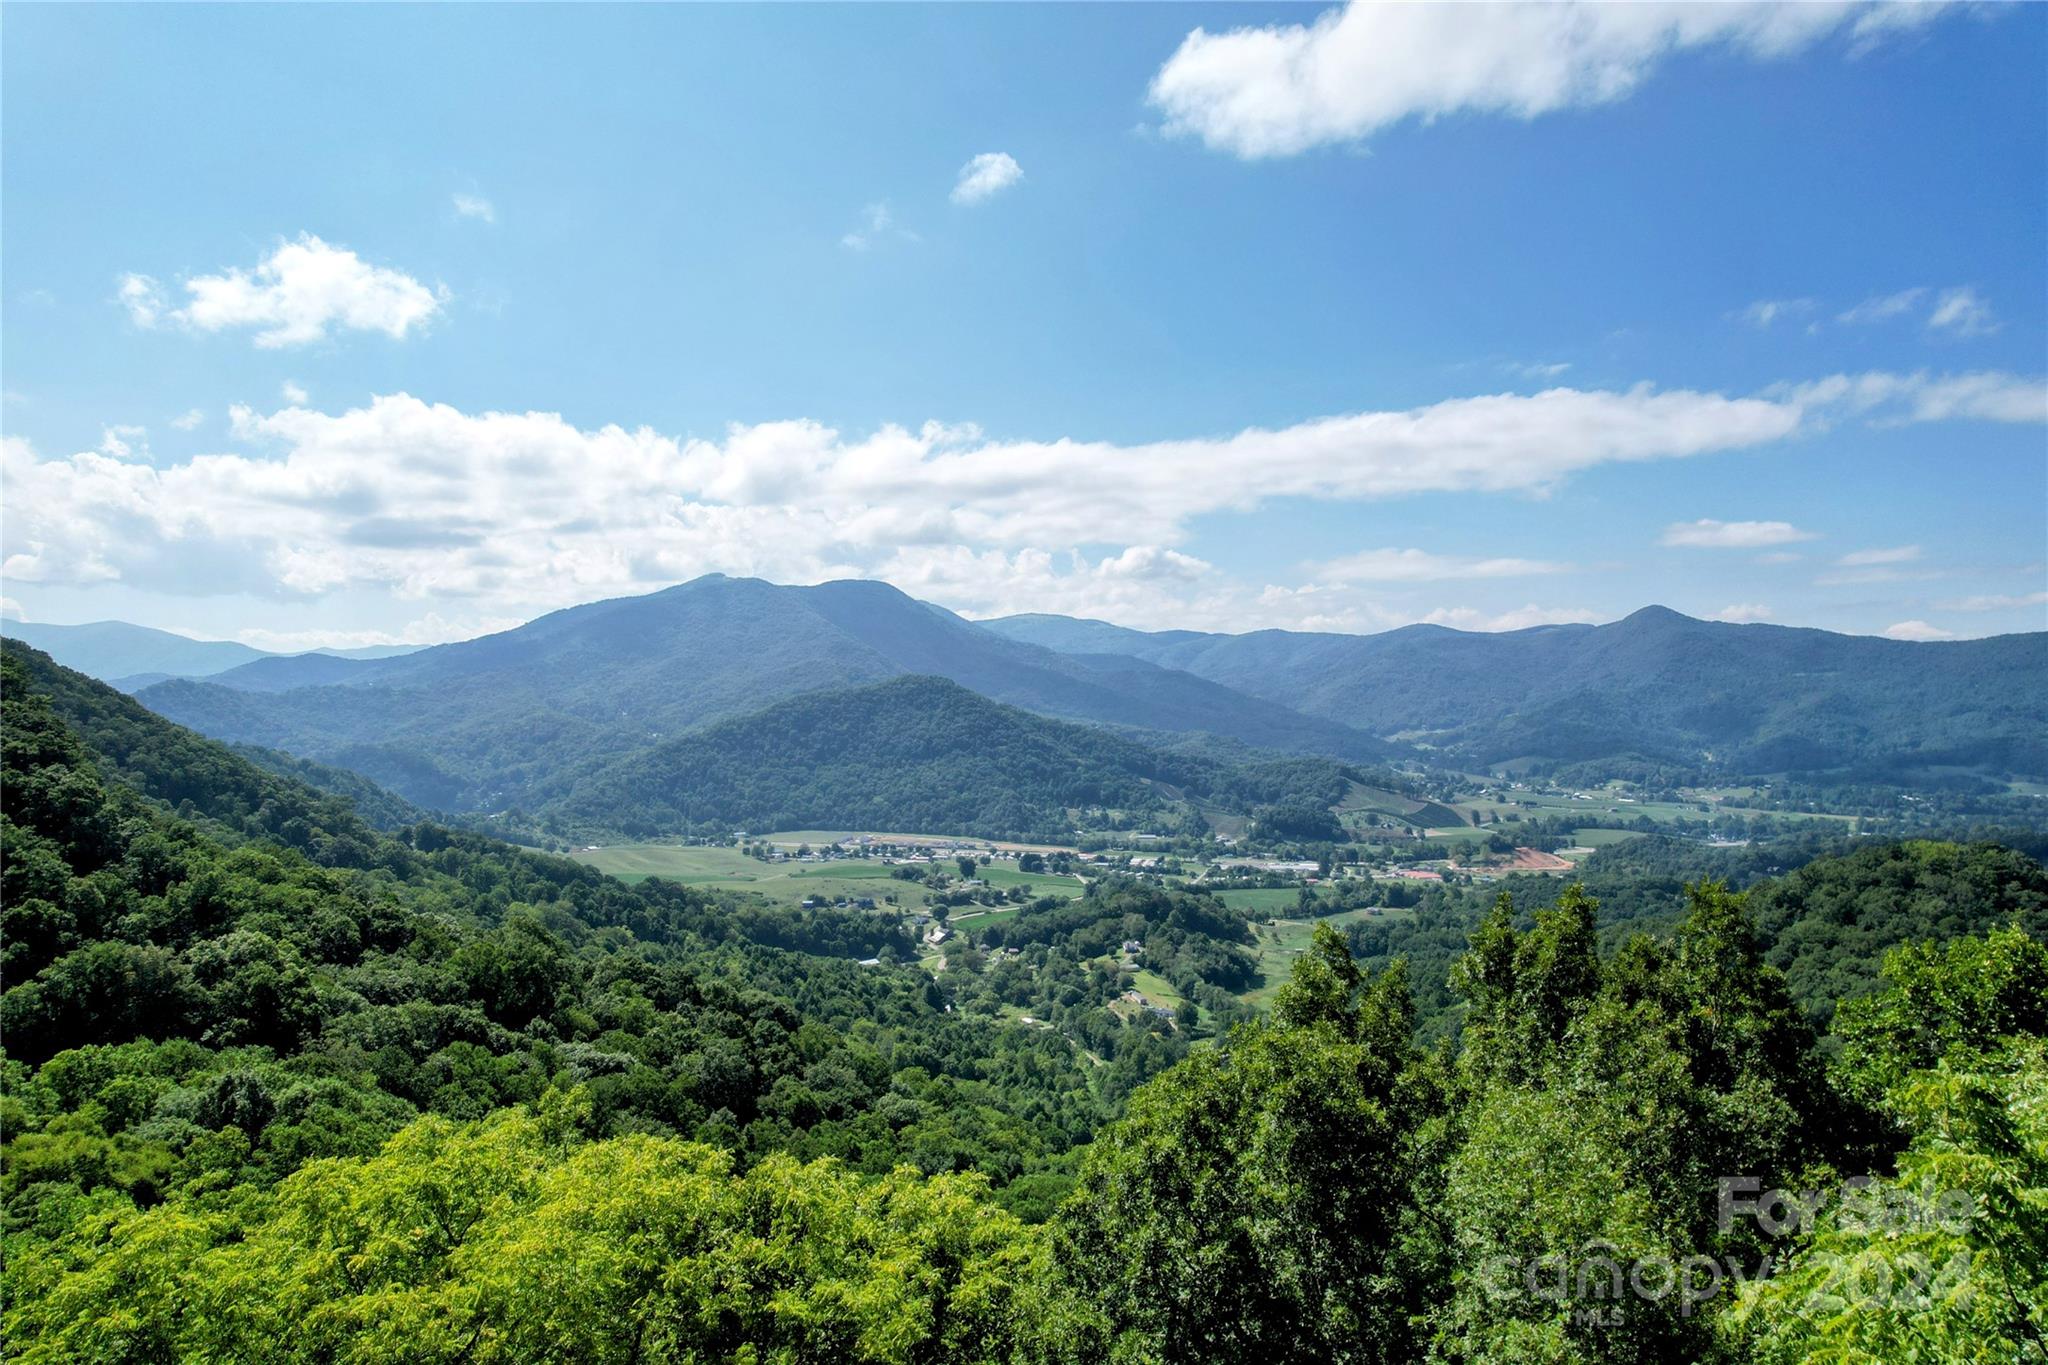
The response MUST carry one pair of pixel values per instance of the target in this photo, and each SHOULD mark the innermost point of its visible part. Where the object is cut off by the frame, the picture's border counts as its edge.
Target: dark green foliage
(914, 754)
(268, 943)
(1830, 923)
(282, 1086)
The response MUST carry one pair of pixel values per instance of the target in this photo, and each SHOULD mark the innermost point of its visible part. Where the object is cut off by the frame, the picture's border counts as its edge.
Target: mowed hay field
(792, 881)
(1280, 942)
(728, 867)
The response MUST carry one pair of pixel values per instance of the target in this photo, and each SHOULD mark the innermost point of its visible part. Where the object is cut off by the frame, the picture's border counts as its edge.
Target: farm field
(726, 867)
(818, 838)
(1603, 838)
(1280, 941)
(1607, 804)
(1038, 883)
(1362, 800)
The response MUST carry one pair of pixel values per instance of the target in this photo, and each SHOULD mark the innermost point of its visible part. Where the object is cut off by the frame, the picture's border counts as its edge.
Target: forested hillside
(912, 754)
(1656, 685)
(280, 1086)
(490, 723)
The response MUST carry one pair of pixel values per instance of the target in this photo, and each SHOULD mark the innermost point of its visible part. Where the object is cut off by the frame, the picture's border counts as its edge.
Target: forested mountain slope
(1740, 698)
(281, 1087)
(490, 723)
(165, 897)
(913, 753)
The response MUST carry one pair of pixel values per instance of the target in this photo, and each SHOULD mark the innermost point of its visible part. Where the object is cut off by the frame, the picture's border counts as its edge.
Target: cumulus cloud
(986, 176)
(1916, 630)
(1743, 612)
(424, 500)
(10, 610)
(475, 206)
(1420, 566)
(1281, 89)
(1521, 618)
(188, 420)
(143, 297)
(294, 296)
(294, 393)
(1709, 534)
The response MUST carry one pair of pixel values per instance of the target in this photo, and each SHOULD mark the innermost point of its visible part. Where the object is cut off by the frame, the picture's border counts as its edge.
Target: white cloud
(1539, 369)
(1897, 554)
(143, 297)
(519, 510)
(1995, 602)
(1764, 312)
(1882, 307)
(1916, 630)
(1962, 313)
(188, 420)
(1779, 557)
(294, 393)
(1744, 612)
(430, 629)
(475, 206)
(1420, 566)
(985, 176)
(877, 225)
(1284, 88)
(1521, 618)
(1895, 399)
(294, 296)
(1959, 311)
(10, 610)
(1707, 533)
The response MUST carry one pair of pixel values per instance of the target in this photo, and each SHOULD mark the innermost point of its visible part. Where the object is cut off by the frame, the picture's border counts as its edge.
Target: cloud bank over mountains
(425, 501)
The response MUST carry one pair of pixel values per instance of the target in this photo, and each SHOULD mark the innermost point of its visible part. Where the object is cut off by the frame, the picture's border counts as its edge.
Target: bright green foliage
(501, 1242)
(282, 1086)
(1251, 1205)
(1947, 1260)
(1603, 1103)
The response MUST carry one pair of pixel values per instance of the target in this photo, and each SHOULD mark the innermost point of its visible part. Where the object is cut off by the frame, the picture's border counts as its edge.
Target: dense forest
(280, 1085)
(913, 753)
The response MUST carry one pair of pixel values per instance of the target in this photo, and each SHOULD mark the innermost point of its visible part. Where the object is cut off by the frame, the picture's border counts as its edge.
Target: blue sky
(346, 324)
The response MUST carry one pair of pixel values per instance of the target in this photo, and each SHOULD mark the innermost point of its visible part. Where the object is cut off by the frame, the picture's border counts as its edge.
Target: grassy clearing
(726, 867)
(1283, 940)
(792, 881)
(1261, 900)
(1038, 883)
(818, 838)
(1603, 838)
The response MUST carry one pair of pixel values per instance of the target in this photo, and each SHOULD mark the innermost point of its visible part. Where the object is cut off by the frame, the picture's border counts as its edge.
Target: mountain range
(498, 722)
(587, 711)
(1656, 685)
(132, 657)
